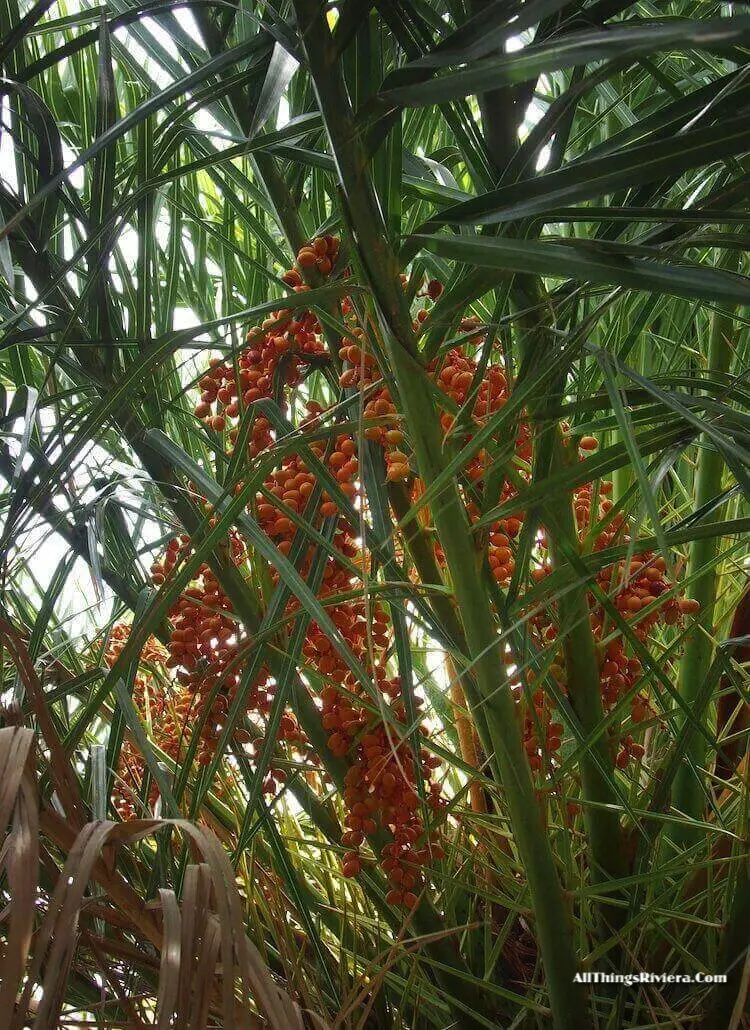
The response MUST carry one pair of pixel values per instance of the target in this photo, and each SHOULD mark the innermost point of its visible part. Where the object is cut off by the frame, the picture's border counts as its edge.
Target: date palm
(375, 504)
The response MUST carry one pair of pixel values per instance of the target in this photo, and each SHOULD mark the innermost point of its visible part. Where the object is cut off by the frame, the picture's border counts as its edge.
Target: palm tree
(375, 467)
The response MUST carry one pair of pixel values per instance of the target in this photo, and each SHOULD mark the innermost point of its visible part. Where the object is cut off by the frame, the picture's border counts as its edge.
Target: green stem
(423, 555)
(606, 840)
(381, 269)
(688, 795)
(601, 815)
(622, 477)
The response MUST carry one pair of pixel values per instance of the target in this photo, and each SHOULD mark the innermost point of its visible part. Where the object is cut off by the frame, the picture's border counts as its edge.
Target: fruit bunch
(643, 596)
(391, 793)
(154, 704)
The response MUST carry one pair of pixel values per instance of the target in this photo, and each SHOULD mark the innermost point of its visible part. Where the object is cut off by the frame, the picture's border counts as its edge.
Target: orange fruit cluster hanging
(387, 770)
(156, 704)
(642, 595)
(390, 787)
(641, 592)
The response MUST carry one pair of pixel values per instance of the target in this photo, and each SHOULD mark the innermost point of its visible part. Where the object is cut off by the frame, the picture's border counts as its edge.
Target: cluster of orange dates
(391, 785)
(159, 707)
